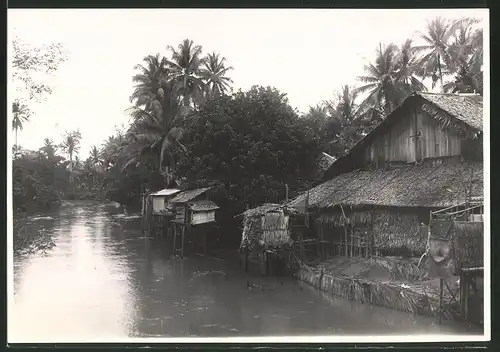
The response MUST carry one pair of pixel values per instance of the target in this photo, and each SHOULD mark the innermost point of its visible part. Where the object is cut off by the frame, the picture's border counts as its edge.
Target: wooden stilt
(182, 241)
(245, 263)
(302, 245)
(352, 243)
(441, 308)
(175, 237)
(466, 296)
(205, 242)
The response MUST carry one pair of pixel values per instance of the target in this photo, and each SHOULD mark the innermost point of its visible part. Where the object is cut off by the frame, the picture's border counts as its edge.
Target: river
(104, 280)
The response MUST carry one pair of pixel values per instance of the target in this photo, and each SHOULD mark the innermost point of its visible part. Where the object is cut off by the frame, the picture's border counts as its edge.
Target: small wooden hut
(267, 237)
(192, 209)
(156, 213)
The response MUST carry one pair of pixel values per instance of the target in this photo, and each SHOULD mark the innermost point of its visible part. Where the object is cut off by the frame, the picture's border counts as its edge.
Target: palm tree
(436, 60)
(155, 133)
(346, 123)
(21, 114)
(185, 71)
(48, 149)
(466, 52)
(214, 72)
(382, 83)
(408, 69)
(150, 79)
(71, 145)
(95, 156)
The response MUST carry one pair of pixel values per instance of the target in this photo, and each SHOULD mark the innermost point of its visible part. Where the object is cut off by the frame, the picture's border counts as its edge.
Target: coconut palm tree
(185, 71)
(408, 69)
(156, 133)
(466, 52)
(436, 60)
(48, 149)
(95, 156)
(149, 80)
(21, 114)
(385, 90)
(71, 145)
(214, 71)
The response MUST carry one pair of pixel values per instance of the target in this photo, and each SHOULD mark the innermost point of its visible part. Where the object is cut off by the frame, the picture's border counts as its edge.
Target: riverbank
(389, 282)
(27, 242)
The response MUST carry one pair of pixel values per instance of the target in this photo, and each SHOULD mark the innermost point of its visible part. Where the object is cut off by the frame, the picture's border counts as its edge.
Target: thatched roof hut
(410, 186)
(424, 156)
(445, 125)
(266, 226)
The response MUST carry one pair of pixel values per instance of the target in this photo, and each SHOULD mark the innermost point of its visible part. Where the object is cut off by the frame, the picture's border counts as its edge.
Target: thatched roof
(267, 208)
(411, 186)
(464, 113)
(325, 161)
(202, 205)
(186, 196)
(467, 108)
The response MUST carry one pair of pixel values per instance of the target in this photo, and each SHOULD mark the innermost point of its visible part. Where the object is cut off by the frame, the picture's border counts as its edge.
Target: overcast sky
(307, 54)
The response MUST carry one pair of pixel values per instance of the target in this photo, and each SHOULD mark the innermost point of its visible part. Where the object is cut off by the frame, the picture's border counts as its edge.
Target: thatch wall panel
(469, 237)
(392, 228)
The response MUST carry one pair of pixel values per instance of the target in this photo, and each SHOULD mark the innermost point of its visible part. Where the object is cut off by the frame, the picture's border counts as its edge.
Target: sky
(307, 54)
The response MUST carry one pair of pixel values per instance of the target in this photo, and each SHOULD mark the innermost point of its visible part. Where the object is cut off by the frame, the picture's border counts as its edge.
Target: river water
(104, 280)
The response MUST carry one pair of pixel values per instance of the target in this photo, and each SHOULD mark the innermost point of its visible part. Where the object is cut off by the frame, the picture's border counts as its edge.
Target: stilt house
(266, 236)
(426, 155)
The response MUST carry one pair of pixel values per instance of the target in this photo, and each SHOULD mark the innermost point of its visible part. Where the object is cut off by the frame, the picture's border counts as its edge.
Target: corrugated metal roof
(203, 205)
(186, 196)
(165, 192)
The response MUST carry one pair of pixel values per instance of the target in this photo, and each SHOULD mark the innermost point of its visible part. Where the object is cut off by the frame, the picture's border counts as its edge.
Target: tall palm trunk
(15, 141)
(186, 96)
(440, 73)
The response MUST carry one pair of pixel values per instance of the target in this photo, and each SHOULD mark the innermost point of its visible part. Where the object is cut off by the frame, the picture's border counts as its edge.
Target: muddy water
(103, 280)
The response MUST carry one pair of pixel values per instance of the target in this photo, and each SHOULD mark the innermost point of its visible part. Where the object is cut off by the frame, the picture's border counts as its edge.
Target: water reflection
(104, 280)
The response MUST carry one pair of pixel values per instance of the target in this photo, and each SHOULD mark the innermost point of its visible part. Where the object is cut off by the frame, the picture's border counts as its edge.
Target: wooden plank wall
(398, 145)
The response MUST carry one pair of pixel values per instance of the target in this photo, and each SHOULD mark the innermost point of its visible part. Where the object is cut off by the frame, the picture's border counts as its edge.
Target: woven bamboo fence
(275, 231)
(387, 295)
(469, 237)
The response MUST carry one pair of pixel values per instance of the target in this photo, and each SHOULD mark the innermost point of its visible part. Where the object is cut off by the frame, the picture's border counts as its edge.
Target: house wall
(158, 204)
(201, 217)
(397, 143)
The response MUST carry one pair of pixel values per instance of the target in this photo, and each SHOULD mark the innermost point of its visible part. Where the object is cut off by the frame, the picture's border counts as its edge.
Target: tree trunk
(440, 74)
(15, 141)
(186, 96)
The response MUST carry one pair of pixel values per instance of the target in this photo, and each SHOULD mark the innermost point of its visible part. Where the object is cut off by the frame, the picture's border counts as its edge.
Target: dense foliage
(249, 145)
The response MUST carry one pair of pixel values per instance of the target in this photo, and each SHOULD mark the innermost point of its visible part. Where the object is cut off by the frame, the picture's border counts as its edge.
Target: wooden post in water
(175, 237)
(205, 240)
(352, 239)
(183, 229)
(246, 259)
(441, 308)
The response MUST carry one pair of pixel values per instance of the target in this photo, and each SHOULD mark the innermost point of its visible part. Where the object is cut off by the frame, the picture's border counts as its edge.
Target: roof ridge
(452, 94)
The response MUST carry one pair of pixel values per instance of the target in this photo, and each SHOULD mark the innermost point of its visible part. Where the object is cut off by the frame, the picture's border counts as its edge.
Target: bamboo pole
(441, 309)
(352, 240)
(183, 230)
(205, 240)
(175, 237)
(246, 259)
(345, 231)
